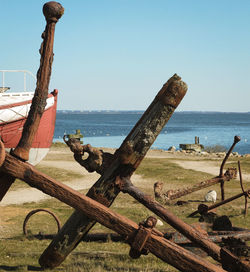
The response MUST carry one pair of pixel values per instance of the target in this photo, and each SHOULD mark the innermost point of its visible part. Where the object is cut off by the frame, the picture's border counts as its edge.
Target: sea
(109, 128)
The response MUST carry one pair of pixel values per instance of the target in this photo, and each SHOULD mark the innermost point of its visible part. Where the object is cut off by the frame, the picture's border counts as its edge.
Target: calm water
(109, 130)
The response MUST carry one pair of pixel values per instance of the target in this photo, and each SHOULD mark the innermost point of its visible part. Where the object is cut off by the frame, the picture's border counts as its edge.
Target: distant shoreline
(109, 128)
(141, 112)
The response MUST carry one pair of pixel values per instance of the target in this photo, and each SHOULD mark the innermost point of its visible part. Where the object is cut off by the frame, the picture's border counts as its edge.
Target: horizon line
(181, 111)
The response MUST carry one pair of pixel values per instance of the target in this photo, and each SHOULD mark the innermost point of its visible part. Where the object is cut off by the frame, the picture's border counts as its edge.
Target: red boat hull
(11, 132)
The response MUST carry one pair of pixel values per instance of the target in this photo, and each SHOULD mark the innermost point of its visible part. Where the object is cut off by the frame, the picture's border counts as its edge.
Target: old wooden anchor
(124, 162)
(55, 254)
(94, 210)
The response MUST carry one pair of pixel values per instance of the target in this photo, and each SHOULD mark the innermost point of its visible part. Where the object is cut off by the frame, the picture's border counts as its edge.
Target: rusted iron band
(141, 237)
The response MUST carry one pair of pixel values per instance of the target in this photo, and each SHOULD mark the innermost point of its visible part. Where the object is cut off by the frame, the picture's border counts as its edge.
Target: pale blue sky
(116, 54)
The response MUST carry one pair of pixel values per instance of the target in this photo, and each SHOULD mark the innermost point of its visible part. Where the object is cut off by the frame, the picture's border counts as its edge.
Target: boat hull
(11, 126)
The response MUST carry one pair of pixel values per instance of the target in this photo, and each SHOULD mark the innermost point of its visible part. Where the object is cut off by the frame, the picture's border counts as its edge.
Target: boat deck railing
(3, 88)
(21, 94)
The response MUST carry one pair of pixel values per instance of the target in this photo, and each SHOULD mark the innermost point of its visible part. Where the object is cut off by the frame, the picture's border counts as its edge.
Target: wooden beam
(188, 231)
(126, 159)
(52, 12)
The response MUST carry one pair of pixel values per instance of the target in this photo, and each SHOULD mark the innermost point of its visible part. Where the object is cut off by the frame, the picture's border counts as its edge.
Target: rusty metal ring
(36, 211)
(2, 153)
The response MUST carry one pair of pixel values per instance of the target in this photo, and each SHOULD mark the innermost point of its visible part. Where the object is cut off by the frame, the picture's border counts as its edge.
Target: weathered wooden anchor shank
(125, 161)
